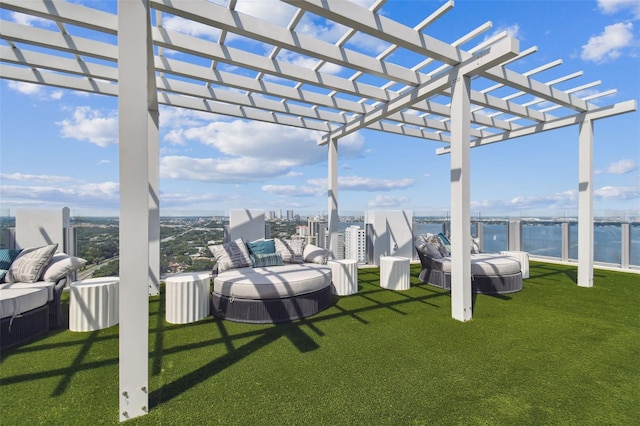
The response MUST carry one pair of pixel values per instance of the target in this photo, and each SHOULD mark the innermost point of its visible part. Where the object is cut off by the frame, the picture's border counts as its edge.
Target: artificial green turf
(553, 353)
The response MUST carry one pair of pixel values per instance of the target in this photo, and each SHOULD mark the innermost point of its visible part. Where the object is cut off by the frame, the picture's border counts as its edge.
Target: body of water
(545, 239)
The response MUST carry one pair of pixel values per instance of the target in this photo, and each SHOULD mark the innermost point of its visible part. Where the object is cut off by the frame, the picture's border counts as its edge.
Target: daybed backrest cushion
(292, 251)
(233, 254)
(30, 263)
(315, 254)
(62, 265)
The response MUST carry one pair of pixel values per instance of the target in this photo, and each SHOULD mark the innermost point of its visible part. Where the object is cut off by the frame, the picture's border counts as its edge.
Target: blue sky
(60, 148)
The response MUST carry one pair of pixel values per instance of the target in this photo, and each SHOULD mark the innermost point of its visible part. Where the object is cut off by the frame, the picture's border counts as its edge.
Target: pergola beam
(505, 49)
(230, 20)
(67, 13)
(603, 112)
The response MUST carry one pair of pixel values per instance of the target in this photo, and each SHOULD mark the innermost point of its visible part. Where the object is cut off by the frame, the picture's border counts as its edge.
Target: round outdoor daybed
(490, 273)
(271, 294)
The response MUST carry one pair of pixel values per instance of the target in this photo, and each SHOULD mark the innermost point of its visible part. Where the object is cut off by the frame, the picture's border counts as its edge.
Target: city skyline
(59, 147)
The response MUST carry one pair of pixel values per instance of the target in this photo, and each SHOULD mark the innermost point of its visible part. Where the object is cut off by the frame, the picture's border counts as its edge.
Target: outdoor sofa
(490, 273)
(270, 280)
(31, 285)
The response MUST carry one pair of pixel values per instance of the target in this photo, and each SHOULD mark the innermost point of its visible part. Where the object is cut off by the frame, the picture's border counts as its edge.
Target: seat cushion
(48, 286)
(272, 282)
(14, 301)
(486, 264)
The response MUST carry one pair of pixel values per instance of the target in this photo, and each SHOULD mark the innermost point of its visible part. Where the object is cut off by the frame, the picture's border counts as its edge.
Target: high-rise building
(302, 231)
(317, 231)
(290, 215)
(354, 244)
(338, 252)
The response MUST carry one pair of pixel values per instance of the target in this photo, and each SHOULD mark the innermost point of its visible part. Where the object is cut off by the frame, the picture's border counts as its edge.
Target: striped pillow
(268, 259)
(231, 255)
(30, 263)
(290, 250)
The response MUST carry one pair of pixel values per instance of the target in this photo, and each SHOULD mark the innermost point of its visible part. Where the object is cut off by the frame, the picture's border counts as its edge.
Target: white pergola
(444, 95)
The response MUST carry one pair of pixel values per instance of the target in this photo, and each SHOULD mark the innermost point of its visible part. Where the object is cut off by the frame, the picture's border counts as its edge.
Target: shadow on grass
(549, 271)
(294, 331)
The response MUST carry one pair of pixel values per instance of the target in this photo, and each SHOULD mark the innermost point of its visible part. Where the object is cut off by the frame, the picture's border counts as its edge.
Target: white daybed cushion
(486, 264)
(15, 301)
(48, 286)
(273, 281)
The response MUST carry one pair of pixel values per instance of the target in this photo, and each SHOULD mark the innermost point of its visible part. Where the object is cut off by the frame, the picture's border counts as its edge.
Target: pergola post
(333, 195)
(154, 198)
(585, 204)
(137, 131)
(461, 300)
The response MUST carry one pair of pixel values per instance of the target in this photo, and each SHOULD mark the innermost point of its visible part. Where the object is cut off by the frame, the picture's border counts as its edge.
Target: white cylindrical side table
(394, 273)
(93, 304)
(344, 276)
(187, 297)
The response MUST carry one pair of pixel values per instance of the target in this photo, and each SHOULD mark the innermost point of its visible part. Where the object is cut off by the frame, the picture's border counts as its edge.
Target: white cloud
(275, 12)
(90, 125)
(622, 167)
(368, 43)
(22, 177)
(31, 89)
(90, 195)
(359, 183)
(549, 202)
(225, 170)
(295, 190)
(30, 20)
(387, 201)
(610, 44)
(192, 28)
(318, 187)
(609, 7)
(617, 193)
(512, 31)
(24, 88)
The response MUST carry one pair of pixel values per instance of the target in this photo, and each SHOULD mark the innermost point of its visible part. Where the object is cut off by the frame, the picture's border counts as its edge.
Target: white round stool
(187, 297)
(344, 276)
(394, 273)
(93, 303)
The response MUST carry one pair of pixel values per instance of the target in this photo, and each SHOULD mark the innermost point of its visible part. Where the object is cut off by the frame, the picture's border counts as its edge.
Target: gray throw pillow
(231, 255)
(60, 266)
(292, 251)
(30, 264)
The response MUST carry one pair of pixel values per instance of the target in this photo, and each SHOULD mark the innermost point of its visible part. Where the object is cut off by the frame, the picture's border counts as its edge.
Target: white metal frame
(123, 55)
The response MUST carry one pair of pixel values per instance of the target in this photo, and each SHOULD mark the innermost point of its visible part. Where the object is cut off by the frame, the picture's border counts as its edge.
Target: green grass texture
(552, 354)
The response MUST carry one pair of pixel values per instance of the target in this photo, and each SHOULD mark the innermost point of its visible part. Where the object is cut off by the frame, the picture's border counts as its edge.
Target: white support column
(585, 204)
(154, 200)
(134, 44)
(461, 297)
(333, 195)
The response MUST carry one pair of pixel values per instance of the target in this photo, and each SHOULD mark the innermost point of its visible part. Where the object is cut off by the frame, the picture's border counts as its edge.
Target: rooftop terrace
(446, 94)
(553, 353)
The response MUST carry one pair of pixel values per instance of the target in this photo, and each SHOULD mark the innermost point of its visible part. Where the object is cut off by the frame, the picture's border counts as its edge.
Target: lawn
(553, 353)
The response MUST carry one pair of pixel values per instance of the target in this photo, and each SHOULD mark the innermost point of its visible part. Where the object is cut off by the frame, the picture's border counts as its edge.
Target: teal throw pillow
(268, 259)
(262, 247)
(7, 256)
